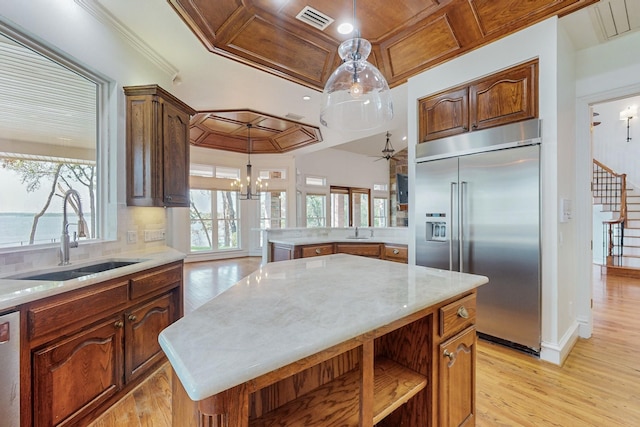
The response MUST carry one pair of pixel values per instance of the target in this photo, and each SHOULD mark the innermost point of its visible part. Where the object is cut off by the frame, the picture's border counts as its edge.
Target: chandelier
(248, 194)
(356, 96)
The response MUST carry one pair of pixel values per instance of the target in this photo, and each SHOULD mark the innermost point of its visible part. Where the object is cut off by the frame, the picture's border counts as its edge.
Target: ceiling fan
(387, 151)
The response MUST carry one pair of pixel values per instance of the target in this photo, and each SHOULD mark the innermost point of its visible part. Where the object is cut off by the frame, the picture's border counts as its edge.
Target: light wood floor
(599, 384)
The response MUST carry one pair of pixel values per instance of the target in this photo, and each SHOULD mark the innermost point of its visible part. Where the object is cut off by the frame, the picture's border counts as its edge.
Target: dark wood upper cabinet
(444, 115)
(157, 148)
(505, 97)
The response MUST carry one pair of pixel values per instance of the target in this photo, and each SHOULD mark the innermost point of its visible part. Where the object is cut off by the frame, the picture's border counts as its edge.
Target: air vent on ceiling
(295, 117)
(314, 18)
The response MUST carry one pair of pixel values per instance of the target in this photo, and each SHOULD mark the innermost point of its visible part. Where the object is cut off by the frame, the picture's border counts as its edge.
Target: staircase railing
(610, 189)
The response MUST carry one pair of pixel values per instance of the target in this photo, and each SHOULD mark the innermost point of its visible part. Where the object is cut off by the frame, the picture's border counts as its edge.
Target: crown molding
(104, 16)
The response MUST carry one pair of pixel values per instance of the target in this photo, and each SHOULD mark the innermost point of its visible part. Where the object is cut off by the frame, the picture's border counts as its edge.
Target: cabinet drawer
(370, 250)
(62, 311)
(396, 253)
(316, 250)
(457, 315)
(154, 281)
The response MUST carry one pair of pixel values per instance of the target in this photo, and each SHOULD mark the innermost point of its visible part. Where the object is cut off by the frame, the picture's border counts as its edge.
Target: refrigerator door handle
(463, 187)
(452, 195)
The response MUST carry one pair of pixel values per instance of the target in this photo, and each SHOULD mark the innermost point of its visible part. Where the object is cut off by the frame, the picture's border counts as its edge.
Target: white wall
(541, 41)
(68, 28)
(609, 142)
(604, 72)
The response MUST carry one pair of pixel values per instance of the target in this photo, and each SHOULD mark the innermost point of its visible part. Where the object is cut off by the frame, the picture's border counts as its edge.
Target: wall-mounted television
(403, 188)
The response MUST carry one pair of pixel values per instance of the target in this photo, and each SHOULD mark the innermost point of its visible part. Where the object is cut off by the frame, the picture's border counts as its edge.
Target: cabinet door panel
(368, 250)
(506, 97)
(176, 147)
(74, 376)
(316, 250)
(444, 114)
(143, 325)
(457, 380)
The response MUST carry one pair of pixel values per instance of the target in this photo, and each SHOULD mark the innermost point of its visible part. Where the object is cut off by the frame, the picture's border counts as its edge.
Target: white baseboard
(557, 353)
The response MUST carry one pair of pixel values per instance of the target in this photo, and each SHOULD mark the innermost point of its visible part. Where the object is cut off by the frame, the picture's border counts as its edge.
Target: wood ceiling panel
(214, 124)
(406, 36)
(264, 146)
(494, 16)
(425, 45)
(227, 130)
(222, 142)
(205, 18)
(289, 52)
(293, 138)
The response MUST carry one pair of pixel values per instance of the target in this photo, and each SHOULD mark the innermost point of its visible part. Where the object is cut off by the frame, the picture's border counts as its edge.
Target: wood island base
(416, 371)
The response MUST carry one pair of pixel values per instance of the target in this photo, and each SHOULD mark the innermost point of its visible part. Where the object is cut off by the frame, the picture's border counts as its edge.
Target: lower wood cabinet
(457, 380)
(78, 368)
(315, 250)
(397, 253)
(142, 327)
(283, 251)
(73, 376)
(371, 250)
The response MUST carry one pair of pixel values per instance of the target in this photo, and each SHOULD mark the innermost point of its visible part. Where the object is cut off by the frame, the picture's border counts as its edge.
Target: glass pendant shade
(356, 96)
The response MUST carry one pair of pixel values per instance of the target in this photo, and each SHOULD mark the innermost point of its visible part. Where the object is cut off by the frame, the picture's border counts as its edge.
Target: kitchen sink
(74, 273)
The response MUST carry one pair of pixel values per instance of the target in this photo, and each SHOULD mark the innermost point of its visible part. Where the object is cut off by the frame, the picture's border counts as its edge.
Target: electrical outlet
(132, 237)
(153, 235)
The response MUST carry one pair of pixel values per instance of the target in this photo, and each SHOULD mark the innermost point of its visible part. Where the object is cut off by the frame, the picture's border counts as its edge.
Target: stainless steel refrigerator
(478, 211)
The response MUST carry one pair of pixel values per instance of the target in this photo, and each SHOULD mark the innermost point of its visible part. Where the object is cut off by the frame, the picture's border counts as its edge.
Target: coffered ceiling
(408, 36)
(227, 130)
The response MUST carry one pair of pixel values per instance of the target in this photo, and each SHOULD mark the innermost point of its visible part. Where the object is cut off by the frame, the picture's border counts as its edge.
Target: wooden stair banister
(613, 179)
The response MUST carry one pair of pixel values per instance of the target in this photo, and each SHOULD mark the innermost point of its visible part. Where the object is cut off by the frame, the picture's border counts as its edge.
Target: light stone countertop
(14, 292)
(288, 310)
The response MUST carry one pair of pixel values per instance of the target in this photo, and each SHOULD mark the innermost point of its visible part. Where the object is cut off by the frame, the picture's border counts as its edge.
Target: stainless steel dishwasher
(10, 369)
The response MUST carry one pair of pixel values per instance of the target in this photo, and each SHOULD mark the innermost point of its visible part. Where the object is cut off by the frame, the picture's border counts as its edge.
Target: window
(316, 210)
(49, 139)
(380, 209)
(273, 209)
(350, 207)
(214, 220)
(315, 181)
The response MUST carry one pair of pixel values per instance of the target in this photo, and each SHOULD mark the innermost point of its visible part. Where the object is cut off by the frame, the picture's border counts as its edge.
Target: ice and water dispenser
(436, 227)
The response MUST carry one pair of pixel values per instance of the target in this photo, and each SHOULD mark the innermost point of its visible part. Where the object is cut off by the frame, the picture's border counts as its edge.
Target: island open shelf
(337, 402)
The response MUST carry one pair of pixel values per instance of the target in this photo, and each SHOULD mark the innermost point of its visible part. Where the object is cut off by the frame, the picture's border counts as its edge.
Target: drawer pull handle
(462, 312)
(450, 355)
(396, 252)
(118, 325)
(132, 317)
(318, 251)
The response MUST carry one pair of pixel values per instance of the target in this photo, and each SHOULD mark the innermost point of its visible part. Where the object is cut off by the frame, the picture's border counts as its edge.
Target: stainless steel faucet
(356, 231)
(65, 244)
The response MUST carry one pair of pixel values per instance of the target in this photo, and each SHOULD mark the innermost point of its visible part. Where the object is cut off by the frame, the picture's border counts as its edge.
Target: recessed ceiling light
(404, 138)
(345, 28)
(306, 97)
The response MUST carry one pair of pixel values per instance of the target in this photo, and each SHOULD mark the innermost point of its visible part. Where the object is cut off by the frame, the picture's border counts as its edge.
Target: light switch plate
(132, 237)
(153, 235)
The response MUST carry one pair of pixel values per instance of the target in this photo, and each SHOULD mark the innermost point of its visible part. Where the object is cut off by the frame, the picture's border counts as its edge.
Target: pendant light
(248, 194)
(387, 151)
(356, 95)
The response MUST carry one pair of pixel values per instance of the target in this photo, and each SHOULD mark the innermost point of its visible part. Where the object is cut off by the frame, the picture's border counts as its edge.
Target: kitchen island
(333, 340)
